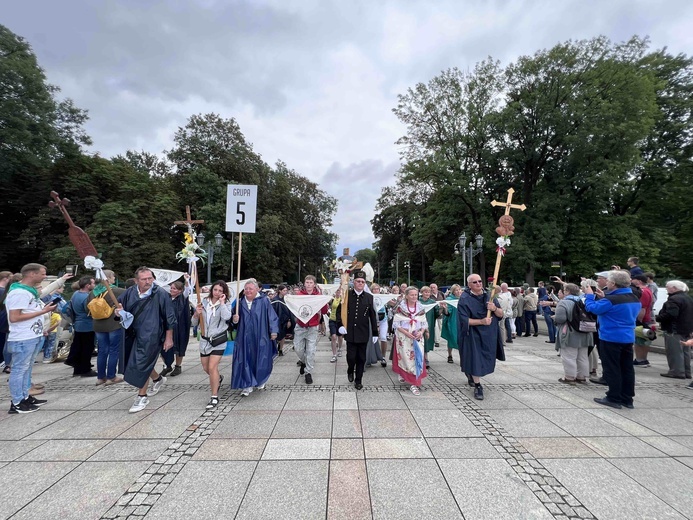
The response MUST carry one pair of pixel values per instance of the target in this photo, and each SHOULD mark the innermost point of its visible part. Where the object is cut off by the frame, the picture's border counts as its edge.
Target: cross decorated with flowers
(505, 229)
(191, 253)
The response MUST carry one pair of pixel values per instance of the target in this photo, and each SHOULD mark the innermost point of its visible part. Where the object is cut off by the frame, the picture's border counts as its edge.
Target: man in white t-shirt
(25, 312)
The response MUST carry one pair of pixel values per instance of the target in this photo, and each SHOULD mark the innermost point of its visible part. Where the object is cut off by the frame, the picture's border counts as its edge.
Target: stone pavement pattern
(534, 448)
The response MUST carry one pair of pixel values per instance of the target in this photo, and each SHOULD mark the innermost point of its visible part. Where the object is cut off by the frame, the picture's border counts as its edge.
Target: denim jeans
(551, 326)
(49, 346)
(39, 348)
(108, 353)
(6, 354)
(23, 354)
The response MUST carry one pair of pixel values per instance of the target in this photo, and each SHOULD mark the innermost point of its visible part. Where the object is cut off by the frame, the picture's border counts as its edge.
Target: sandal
(415, 390)
(401, 379)
(581, 381)
(450, 359)
(566, 381)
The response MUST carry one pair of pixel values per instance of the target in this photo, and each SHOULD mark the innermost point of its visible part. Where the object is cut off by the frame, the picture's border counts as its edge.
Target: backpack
(581, 320)
(99, 309)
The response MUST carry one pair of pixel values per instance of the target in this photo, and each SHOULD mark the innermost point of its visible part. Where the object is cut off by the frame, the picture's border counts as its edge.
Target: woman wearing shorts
(215, 311)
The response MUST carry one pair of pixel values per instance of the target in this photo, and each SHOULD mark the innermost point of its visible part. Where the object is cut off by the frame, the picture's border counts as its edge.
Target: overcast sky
(313, 82)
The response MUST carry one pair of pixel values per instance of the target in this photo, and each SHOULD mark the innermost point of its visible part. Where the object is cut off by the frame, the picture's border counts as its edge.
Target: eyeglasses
(475, 281)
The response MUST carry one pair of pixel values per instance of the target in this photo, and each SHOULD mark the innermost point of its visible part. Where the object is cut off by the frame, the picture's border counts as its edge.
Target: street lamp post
(468, 253)
(210, 251)
(300, 264)
(475, 251)
(407, 264)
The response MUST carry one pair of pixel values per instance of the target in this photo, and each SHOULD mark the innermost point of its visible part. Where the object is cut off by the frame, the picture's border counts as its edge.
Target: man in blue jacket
(616, 310)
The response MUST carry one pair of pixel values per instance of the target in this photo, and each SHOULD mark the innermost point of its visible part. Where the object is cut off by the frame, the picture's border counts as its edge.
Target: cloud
(310, 82)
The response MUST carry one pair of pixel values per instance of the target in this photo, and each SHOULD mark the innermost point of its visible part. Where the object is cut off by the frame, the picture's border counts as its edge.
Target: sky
(311, 83)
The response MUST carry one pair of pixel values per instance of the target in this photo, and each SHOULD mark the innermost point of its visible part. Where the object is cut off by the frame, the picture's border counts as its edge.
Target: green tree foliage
(36, 129)
(592, 136)
(128, 204)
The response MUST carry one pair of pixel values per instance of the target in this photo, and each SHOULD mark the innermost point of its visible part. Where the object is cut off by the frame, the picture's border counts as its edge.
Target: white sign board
(241, 208)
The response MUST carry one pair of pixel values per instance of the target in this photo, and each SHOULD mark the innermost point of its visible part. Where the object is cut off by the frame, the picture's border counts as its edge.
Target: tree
(592, 136)
(35, 131)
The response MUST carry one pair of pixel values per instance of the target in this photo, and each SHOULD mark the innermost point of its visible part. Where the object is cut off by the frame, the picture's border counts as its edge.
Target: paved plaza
(534, 448)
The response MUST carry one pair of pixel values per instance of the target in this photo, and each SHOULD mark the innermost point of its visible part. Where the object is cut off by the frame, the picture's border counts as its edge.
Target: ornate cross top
(61, 204)
(78, 237)
(188, 221)
(505, 229)
(508, 203)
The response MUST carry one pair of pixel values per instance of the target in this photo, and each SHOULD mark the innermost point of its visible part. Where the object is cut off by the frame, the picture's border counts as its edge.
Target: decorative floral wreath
(191, 252)
(502, 243)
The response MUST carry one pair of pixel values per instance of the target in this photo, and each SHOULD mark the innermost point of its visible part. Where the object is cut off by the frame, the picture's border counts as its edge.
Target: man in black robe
(478, 337)
(360, 329)
(149, 320)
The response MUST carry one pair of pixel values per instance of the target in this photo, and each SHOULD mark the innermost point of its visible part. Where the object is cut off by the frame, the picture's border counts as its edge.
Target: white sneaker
(45, 362)
(140, 404)
(156, 386)
(246, 391)
(261, 387)
(333, 359)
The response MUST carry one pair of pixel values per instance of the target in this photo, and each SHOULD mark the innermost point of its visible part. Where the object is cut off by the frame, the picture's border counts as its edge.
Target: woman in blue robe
(478, 337)
(255, 346)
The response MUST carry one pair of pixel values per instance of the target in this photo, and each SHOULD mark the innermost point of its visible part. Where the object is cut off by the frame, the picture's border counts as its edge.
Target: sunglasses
(475, 281)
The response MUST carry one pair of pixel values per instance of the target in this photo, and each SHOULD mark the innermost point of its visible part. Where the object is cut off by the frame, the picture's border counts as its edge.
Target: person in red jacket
(306, 334)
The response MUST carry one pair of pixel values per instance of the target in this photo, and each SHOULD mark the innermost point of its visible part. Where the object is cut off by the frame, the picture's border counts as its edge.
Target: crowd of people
(610, 317)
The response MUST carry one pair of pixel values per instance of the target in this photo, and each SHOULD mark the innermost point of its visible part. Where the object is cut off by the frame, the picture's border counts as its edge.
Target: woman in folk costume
(409, 324)
(449, 329)
(431, 317)
(215, 310)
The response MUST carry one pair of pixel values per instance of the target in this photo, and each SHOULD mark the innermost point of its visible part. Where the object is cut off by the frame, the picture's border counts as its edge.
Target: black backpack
(581, 320)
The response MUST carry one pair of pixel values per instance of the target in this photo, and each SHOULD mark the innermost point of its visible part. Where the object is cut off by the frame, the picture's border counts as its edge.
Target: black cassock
(285, 316)
(361, 328)
(143, 339)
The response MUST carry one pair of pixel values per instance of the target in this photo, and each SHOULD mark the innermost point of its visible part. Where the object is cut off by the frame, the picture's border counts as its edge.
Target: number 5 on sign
(241, 208)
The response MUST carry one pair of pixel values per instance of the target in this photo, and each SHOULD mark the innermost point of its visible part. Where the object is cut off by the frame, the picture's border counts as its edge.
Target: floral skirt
(407, 359)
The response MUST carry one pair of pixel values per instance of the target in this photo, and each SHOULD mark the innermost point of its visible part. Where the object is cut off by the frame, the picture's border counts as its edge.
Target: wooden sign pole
(238, 272)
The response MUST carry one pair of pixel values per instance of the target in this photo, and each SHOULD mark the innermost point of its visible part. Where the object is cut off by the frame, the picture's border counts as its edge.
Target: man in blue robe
(478, 337)
(147, 315)
(255, 346)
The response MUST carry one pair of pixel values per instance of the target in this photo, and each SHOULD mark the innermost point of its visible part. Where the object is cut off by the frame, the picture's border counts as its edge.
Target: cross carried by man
(505, 229)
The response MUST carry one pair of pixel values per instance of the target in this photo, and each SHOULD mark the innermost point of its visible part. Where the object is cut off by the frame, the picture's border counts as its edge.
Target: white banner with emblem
(305, 306)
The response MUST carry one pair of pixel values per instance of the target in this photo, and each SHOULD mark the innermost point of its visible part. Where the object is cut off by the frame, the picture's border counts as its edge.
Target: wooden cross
(188, 221)
(508, 203)
(77, 235)
(192, 267)
(505, 229)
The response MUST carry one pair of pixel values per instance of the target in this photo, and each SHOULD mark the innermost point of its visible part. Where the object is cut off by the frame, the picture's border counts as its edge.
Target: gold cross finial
(508, 203)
